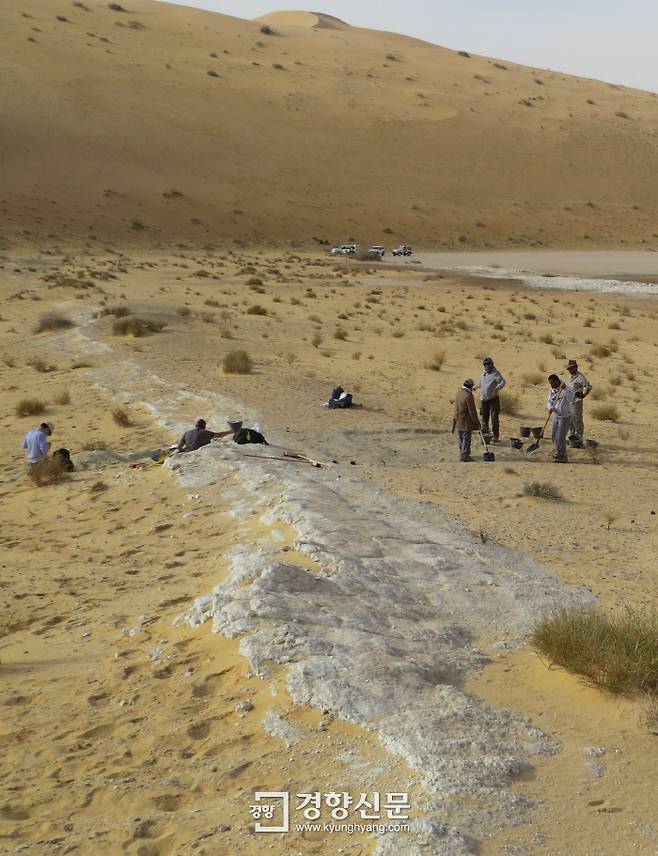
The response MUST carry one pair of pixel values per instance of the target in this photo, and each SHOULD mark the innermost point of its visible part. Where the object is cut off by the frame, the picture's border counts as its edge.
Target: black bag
(248, 435)
(336, 393)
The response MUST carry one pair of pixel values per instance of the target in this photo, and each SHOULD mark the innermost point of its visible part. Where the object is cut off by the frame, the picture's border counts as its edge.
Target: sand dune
(167, 124)
(315, 20)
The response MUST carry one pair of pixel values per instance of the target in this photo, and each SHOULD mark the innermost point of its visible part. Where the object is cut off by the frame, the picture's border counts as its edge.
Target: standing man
(490, 384)
(559, 403)
(581, 388)
(466, 419)
(37, 444)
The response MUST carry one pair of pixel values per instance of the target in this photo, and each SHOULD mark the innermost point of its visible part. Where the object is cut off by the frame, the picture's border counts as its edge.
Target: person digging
(560, 405)
(466, 419)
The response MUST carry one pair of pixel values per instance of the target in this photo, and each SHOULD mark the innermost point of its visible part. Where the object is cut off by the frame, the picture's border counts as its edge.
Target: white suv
(344, 250)
(377, 250)
(404, 250)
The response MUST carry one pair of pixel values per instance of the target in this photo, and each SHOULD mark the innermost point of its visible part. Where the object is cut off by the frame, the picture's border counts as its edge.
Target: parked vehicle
(377, 250)
(344, 250)
(404, 250)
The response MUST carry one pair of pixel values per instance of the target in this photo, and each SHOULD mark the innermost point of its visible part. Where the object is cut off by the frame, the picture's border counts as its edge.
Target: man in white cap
(37, 444)
(466, 419)
(490, 385)
(581, 388)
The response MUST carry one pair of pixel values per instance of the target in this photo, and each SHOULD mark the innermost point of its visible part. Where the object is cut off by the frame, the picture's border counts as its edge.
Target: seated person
(198, 436)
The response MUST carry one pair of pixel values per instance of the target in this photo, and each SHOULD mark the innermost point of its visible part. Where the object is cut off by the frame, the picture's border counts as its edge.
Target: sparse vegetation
(52, 321)
(116, 311)
(617, 653)
(605, 413)
(63, 397)
(237, 362)
(134, 326)
(184, 311)
(257, 309)
(122, 417)
(542, 490)
(41, 366)
(30, 407)
(47, 472)
(510, 403)
(437, 361)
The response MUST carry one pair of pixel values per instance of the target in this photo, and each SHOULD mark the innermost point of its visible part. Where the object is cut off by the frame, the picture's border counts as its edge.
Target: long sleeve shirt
(36, 444)
(560, 401)
(579, 378)
(490, 384)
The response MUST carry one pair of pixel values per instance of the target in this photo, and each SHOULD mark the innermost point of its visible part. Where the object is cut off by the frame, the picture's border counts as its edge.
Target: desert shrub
(366, 256)
(597, 394)
(600, 351)
(266, 30)
(80, 364)
(63, 397)
(208, 317)
(316, 341)
(237, 362)
(618, 653)
(437, 361)
(340, 334)
(543, 490)
(30, 407)
(257, 309)
(254, 280)
(98, 487)
(121, 417)
(510, 403)
(116, 311)
(184, 311)
(137, 327)
(605, 413)
(95, 446)
(533, 378)
(41, 366)
(52, 321)
(226, 333)
(47, 471)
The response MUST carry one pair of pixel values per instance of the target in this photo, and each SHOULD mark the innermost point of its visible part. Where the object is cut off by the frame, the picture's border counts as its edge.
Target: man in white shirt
(490, 385)
(581, 388)
(560, 404)
(36, 442)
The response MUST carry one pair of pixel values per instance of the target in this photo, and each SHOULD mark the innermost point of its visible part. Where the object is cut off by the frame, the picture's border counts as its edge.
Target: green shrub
(618, 653)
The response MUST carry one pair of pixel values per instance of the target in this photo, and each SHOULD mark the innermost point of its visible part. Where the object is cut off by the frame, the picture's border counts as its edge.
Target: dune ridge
(163, 124)
(315, 20)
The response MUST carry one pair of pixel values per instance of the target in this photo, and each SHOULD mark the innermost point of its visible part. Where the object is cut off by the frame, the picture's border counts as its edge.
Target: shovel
(533, 447)
(487, 456)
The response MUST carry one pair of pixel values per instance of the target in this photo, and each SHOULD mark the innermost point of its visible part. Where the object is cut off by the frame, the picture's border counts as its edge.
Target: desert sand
(174, 638)
(166, 124)
(121, 727)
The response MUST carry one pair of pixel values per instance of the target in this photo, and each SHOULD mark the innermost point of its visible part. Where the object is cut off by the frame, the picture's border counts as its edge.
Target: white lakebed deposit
(385, 630)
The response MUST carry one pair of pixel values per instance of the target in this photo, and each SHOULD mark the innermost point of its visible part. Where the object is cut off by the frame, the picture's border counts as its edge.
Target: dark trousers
(491, 409)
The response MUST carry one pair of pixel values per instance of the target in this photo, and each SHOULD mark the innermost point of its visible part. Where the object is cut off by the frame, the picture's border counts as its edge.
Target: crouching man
(466, 419)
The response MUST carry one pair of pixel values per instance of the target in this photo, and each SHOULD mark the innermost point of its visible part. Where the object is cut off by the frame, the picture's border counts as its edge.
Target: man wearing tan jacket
(466, 419)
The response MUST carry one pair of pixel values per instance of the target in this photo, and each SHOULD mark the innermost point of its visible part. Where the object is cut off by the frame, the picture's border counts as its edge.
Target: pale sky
(612, 40)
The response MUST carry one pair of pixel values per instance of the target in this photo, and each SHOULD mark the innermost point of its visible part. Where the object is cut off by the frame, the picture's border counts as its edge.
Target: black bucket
(515, 443)
(536, 432)
(576, 443)
(489, 456)
(525, 432)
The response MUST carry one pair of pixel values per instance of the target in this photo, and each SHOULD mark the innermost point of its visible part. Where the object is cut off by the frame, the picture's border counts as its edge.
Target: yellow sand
(114, 129)
(96, 735)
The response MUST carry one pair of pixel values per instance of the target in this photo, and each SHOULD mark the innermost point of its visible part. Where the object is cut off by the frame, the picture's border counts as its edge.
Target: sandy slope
(102, 728)
(112, 127)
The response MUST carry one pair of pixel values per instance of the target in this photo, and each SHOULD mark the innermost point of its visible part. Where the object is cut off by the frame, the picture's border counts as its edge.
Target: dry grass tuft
(63, 397)
(30, 407)
(98, 487)
(122, 417)
(437, 361)
(617, 653)
(136, 327)
(257, 309)
(605, 413)
(238, 362)
(52, 321)
(542, 490)
(48, 471)
(510, 403)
